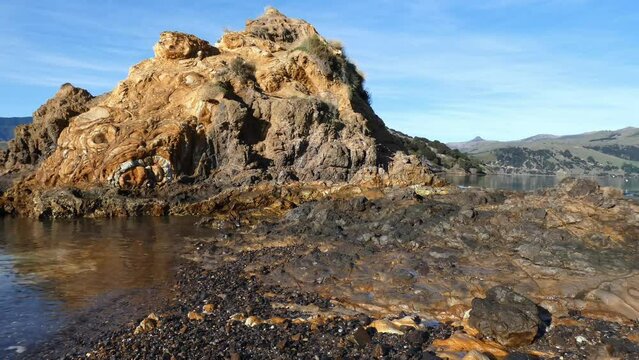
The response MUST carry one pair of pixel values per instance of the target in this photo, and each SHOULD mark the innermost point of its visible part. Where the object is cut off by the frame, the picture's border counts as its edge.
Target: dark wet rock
(429, 356)
(380, 351)
(520, 356)
(362, 337)
(416, 337)
(508, 317)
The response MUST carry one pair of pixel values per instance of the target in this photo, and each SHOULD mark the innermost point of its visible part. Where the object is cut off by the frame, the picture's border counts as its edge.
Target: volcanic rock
(273, 103)
(275, 97)
(512, 319)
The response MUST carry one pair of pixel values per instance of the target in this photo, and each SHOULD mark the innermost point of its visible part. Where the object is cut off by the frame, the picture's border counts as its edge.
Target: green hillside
(600, 152)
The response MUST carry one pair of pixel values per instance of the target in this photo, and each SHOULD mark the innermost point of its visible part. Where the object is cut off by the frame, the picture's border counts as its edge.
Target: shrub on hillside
(335, 65)
(241, 69)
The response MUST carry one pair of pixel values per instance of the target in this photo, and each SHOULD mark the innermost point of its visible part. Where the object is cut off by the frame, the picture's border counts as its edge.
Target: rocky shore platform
(400, 273)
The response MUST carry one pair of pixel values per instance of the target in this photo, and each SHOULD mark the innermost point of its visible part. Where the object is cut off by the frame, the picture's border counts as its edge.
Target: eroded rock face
(35, 142)
(276, 101)
(510, 318)
(176, 45)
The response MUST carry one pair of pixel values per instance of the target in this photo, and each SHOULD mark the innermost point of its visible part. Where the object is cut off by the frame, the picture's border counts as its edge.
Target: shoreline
(305, 282)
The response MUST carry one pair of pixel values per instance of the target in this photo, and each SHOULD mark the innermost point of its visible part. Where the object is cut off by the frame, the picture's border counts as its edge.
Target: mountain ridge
(591, 153)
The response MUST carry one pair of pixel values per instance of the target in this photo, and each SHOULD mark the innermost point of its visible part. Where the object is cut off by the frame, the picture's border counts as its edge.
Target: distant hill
(7, 124)
(593, 153)
(438, 156)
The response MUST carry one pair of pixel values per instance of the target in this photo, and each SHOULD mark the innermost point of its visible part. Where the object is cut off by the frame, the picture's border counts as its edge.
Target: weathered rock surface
(176, 45)
(35, 142)
(263, 104)
(510, 318)
(415, 249)
(275, 102)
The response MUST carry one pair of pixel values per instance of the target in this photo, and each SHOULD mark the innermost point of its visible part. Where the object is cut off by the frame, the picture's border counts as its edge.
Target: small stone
(281, 345)
(362, 337)
(235, 356)
(192, 315)
(416, 337)
(253, 321)
(364, 319)
(296, 337)
(208, 309)
(147, 324)
(508, 317)
(469, 213)
(580, 339)
(380, 351)
(429, 356)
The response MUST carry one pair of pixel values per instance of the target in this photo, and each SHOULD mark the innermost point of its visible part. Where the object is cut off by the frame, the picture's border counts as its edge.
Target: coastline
(304, 282)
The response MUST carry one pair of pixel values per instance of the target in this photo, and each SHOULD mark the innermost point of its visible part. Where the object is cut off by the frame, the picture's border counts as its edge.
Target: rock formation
(275, 100)
(509, 317)
(35, 142)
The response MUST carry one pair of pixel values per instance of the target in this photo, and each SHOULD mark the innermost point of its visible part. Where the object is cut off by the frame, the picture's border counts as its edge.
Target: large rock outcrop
(274, 101)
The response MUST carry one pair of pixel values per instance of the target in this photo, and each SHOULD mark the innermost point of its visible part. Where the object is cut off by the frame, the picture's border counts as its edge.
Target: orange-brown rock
(460, 342)
(276, 101)
(176, 45)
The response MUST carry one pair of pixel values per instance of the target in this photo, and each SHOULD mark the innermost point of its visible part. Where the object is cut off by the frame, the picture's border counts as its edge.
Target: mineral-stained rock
(460, 342)
(275, 102)
(251, 107)
(510, 318)
(147, 324)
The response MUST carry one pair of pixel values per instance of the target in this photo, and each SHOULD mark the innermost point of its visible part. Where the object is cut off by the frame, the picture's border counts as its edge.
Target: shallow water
(52, 271)
(630, 185)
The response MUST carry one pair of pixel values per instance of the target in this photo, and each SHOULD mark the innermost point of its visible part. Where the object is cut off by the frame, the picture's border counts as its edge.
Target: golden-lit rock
(461, 342)
(195, 316)
(208, 309)
(147, 324)
(175, 45)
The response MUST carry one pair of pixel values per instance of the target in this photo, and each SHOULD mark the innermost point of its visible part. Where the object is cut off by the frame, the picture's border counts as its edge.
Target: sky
(442, 69)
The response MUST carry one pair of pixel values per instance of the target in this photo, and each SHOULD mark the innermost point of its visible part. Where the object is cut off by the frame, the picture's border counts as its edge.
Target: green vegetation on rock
(334, 64)
(439, 154)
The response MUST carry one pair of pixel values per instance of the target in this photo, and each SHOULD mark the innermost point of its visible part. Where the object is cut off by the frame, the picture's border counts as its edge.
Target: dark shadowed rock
(508, 317)
(520, 356)
(362, 337)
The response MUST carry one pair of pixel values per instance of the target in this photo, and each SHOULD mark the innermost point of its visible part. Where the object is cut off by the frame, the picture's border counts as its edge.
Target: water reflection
(48, 270)
(630, 185)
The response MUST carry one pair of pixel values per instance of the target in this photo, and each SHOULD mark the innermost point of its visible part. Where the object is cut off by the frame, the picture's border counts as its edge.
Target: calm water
(630, 185)
(50, 271)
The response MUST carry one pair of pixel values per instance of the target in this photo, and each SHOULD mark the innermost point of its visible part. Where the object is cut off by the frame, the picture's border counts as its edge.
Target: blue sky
(442, 69)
